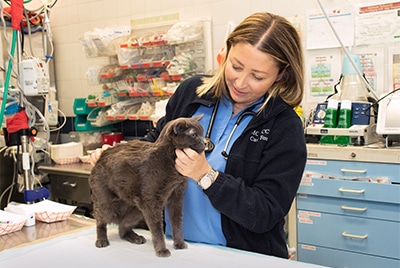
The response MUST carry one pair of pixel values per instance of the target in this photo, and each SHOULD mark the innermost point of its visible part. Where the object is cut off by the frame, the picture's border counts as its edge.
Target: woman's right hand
(95, 155)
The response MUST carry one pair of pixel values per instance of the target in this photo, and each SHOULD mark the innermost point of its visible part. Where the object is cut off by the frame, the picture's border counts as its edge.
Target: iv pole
(23, 136)
(30, 195)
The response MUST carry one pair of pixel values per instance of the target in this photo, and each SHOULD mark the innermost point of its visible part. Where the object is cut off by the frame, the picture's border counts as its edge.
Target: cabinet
(347, 213)
(69, 185)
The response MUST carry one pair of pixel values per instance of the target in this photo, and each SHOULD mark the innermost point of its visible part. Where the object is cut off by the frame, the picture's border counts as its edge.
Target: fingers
(180, 161)
(105, 146)
(95, 155)
(191, 164)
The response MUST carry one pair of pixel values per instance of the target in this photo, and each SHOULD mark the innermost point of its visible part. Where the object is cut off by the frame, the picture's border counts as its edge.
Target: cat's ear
(178, 128)
(198, 117)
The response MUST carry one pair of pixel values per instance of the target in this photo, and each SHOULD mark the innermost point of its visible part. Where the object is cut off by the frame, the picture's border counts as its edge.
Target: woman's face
(249, 73)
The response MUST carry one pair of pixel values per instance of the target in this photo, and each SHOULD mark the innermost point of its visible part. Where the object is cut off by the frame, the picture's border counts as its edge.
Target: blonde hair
(274, 35)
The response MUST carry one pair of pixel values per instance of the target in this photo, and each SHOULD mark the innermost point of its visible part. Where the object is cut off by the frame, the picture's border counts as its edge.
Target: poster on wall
(320, 34)
(372, 64)
(377, 24)
(394, 68)
(323, 69)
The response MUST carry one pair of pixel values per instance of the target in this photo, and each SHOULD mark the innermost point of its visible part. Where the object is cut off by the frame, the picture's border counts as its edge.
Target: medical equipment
(388, 122)
(32, 80)
(361, 131)
(247, 112)
(209, 144)
(34, 77)
(352, 89)
(51, 108)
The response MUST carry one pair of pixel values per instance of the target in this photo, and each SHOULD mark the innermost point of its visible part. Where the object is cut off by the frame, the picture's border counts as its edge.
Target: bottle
(344, 121)
(330, 121)
(352, 87)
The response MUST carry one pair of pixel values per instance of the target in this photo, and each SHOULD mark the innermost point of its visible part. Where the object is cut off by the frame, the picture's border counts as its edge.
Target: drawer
(349, 207)
(70, 188)
(338, 258)
(348, 233)
(354, 169)
(389, 193)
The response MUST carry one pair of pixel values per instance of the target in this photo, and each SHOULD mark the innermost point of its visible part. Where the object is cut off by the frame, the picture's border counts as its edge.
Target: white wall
(71, 18)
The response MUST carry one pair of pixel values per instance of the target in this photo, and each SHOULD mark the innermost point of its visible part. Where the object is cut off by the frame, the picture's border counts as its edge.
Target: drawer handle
(342, 190)
(344, 170)
(70, 184)
(353, 208)
(354, 236)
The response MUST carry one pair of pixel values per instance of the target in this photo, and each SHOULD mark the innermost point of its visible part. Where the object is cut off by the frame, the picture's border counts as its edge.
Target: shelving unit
(147, 67)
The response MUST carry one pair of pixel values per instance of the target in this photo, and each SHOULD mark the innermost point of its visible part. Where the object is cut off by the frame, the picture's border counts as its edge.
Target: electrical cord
(10, 188)
(377, 101)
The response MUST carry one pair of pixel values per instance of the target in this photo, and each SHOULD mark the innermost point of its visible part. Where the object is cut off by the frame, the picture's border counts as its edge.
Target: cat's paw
(102, 243)
(134, 238)
(163, 253)
(180, 245)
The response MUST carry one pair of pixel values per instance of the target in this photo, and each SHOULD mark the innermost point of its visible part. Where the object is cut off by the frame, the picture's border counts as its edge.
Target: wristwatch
(208, 179)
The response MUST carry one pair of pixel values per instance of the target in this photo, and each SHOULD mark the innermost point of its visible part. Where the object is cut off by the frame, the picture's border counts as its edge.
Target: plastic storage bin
(81, 107)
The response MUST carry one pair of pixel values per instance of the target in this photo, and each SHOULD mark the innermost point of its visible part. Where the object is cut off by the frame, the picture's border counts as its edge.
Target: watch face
(205, 182)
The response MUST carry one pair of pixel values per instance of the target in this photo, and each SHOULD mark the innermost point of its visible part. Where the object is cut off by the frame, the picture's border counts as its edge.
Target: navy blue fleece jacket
(262, 174)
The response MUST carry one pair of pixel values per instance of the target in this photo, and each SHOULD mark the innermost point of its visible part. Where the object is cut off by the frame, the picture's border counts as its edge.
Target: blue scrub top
(201, 221)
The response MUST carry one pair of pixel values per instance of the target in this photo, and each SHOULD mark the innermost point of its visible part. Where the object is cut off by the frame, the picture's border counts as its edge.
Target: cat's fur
(135, 180)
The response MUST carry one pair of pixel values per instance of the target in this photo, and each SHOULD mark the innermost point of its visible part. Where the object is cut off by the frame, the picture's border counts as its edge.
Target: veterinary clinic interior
(80, 75)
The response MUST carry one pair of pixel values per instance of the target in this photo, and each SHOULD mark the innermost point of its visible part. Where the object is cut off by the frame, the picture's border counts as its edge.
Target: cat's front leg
(154, 219)
(102, 239)
(175, 210)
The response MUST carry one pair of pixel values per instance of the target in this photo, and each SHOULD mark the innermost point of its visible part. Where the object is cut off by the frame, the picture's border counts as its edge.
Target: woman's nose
(241, 81)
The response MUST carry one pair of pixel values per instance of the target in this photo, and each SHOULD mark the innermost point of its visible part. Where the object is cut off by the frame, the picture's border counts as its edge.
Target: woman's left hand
(191, 164)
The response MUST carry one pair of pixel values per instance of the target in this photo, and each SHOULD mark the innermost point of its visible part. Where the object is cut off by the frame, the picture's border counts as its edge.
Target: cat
(134, 181)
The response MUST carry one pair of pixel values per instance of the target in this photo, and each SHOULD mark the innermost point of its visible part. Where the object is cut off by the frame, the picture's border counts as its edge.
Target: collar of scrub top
(210, 145)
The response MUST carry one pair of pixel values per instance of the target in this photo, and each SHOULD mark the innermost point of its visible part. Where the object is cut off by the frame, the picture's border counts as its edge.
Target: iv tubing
(8, 76)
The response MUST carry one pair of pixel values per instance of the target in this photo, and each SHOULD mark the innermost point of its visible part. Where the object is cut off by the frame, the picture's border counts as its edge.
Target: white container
(24, 210)
(66, 153)
(10, 222)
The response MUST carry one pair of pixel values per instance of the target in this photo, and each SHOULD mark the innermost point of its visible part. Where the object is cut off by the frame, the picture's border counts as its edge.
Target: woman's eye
(236, 67)
(257, 78)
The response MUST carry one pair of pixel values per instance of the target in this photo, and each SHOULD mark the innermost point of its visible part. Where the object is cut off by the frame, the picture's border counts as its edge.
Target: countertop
(41, 232)
(77, 249)
(75, 169)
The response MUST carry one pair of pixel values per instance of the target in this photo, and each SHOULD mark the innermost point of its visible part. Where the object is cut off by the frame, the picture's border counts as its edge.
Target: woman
(242, 187)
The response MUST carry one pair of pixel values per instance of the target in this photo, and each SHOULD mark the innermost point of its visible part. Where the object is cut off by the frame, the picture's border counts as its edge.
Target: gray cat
(134, 181)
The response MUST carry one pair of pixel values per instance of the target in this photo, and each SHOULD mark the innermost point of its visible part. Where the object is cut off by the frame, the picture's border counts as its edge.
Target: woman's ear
(280, 75)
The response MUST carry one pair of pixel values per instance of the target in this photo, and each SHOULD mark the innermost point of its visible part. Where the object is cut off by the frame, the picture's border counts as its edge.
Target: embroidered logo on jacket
(258, 135)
